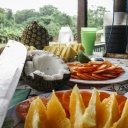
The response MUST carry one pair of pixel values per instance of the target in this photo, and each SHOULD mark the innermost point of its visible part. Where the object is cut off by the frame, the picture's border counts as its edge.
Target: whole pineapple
(35, 35)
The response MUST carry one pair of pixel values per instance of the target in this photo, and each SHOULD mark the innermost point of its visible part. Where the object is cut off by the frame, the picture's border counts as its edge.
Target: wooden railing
(99, 47)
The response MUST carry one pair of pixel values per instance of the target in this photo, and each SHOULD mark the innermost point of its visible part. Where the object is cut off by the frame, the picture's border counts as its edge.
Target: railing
(99, 47)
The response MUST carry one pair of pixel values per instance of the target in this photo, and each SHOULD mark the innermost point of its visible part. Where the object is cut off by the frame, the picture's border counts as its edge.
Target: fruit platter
(72, 108)
(48, 68)
(97, 72)
(86, 71)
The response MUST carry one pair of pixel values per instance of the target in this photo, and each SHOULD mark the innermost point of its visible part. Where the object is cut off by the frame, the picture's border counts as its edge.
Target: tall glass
(88, 37)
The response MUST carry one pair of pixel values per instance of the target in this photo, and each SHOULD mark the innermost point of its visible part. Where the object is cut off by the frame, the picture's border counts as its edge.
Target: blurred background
(15, 16)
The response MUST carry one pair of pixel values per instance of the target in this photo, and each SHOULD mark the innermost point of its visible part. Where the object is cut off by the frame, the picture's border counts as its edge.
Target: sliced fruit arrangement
(56, 114)
(37, 116)
(75, 46)
(67, 53)
(75, 109)
(95, 70)
(22, 108)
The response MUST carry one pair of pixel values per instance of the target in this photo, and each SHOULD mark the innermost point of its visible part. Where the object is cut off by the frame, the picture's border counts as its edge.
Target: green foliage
(9, 14)
(23, 15)
(96, 16)
(48, 10)
(12, 25)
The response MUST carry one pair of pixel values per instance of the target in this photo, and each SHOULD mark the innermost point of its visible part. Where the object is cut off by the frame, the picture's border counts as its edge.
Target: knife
(12, 61)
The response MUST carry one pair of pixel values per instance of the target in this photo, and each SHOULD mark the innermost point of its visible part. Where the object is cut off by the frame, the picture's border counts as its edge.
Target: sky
(68, 6)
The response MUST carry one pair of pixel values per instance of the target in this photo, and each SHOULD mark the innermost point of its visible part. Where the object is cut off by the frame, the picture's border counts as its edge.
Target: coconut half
(45, 71)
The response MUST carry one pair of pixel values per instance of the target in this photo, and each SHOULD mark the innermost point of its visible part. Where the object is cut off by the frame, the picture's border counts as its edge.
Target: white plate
(18, 124)
(11, 113)
(119, 79)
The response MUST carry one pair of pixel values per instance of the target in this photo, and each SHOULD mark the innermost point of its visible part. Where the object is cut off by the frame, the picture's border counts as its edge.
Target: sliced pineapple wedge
(91, 113)
(56, 114)
(36, 117)
(76, 108)
(98, 114)
(123, 121)
(109, 112)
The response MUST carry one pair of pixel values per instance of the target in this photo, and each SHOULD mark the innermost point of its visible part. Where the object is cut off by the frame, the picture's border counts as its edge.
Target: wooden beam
(82, 17)
(120, 6)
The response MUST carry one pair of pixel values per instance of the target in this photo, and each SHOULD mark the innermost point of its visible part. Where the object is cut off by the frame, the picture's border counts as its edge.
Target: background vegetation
(12, 25)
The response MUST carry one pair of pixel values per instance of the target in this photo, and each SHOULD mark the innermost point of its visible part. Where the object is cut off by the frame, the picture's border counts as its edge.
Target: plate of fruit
(74, 108)
(97, 72)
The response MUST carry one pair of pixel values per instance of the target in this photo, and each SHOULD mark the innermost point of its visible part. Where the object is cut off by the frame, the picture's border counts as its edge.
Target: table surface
(120, 88)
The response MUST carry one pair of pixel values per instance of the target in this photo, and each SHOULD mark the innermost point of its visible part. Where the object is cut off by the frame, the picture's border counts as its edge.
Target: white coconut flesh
(46, 65)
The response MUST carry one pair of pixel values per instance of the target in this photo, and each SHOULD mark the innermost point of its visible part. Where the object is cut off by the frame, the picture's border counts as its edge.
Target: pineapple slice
(109, 112)
(76, 108)
(92, 111)
(36, 117)
(123, 121)
(56, 114)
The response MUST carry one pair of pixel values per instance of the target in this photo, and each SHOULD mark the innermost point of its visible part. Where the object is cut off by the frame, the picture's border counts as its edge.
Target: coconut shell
(40, 84)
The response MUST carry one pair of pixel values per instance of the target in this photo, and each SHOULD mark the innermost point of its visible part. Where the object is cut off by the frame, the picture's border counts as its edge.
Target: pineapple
(35, 35)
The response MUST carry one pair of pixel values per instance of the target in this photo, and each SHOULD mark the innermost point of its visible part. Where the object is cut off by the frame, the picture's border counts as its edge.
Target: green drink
(88, 37)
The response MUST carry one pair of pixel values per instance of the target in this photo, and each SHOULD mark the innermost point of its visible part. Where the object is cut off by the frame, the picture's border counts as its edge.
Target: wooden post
(82, 17)
(120, 6)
